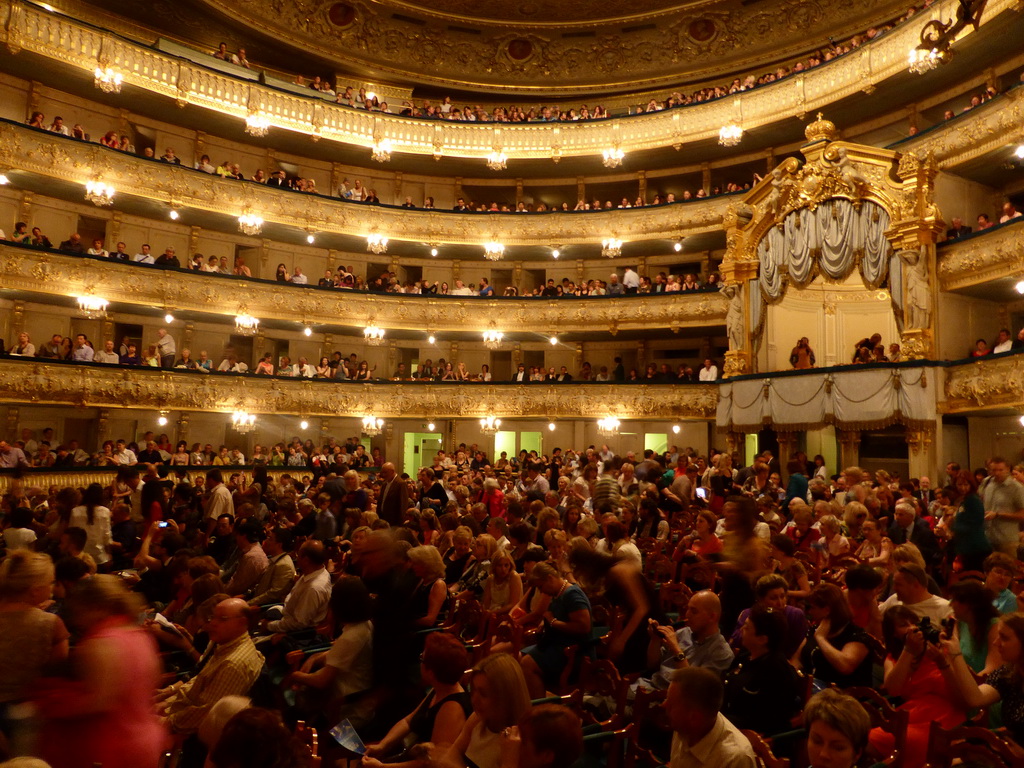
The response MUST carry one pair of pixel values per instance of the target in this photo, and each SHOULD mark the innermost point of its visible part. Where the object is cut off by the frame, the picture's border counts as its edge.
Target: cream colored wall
(962, 320)
(995, 436)
(833, 329)
(959, 197)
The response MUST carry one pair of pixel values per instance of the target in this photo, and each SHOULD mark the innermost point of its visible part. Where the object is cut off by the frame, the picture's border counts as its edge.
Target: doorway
(420, 448)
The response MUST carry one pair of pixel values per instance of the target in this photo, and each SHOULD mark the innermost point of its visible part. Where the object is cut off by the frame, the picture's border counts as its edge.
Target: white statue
(915, 277)
(849, 172)
(734, 315)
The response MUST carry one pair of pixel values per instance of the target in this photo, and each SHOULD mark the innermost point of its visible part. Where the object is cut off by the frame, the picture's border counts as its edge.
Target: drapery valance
(832, 239)
(858, 398)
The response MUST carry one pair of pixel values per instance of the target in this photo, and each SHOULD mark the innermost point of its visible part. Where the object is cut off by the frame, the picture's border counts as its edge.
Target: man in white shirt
(709, 372)
(1009, 211)
(82, 352)
(630, 281)
(1004, 343)
(461, 289)
(304, 369)
(306, 605)
(144, 256)
(165, 348)
(298, 278)
(123, 455)
(910, 588)
(107, 355)
(59, 127)
(703, 737)
(219, 501)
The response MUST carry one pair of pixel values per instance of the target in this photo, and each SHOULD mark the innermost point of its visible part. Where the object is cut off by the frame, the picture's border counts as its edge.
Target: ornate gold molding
(985, 385)
(25, 382)
(30, 270)
(33, 29)
(994, 254)
(70, 160)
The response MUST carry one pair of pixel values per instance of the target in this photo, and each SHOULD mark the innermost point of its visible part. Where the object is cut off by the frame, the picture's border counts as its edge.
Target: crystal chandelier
(497, 161)
(372, 426)
(107, 80)
(608, 427)
(376, 243)
(93, 307)
(373, 335)
(492, 339)
(494, 251)
(730, 135)
(243, 422)
(611, 247)
(923, 60)
(246, 325)
(381, 151)
(490, 425)
(250, 224)
(99, 193)
(613, 157)
(257, 125)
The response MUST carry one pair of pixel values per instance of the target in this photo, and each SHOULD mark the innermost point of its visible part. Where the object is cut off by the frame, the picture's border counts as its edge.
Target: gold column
(787, 445)
(517, 356)
(396, 187)
(456, 271)
(107, 329)
(325, 346)
(11, 430)
(199, 146)
(579, 271)
(581, 189)
(193, 242)
(769, 156)
(337, 174)
(517, 274)
(102, 426)
(923, 454)
(641, 178)
(181, 432)
(705, 177)
(25, 208)
(188, 336)
(392, 359)
(849, 447)
(17, 319)
(519, 191)
(641, 355)
(390, 451)
(578, 357)
(114, 229)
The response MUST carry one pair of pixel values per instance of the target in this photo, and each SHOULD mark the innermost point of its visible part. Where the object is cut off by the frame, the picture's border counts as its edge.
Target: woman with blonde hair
(478, 570)
(430, 593)
(500, 700)
(505, 586)
(30, 638)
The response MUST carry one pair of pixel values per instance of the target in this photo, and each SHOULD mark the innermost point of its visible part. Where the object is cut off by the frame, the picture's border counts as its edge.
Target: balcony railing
(33, 381)
(980, 257)
(59, 157)
(48, 273)
(80, 45)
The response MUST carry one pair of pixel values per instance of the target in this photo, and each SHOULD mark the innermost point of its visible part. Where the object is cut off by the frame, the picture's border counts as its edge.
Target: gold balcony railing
(48, 273)
(58, 157)
(986, 384)
(30, 381)
(31, 27)
(983, 257)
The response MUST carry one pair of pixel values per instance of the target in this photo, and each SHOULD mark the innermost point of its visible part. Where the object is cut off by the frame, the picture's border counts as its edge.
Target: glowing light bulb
(430, 426)
(174, 215)
(678, 247)
(553, 340)
(162, 421)
(431, 339)
(556, 253)
(551, 426)
(307, 331)
(303, 424)
(433, 251)
(310, 239)
(168, 318)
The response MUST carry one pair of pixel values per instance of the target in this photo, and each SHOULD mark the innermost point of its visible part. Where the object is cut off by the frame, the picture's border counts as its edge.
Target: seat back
(763, 752)
(972, 745)
(885, 716)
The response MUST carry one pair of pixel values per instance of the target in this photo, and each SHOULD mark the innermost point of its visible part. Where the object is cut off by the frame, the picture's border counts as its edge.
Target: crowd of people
(305, 596)
(445, 109)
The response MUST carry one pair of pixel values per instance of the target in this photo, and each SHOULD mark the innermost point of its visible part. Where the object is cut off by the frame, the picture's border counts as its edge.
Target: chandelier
(497, 161)
(613, 157)
(492, 339)
(376, 243)
(246, 325)
(923, 60)
(93, 307)
(257, 125)
(490, 425)
(611, 247)
(381, 151)
(494, 251)
(243, 422)
(372, 426)
(250, 224)
(373, 335)
(730, 135)
(608, 427)
(4, 180)
(107, 80)
(98, 193)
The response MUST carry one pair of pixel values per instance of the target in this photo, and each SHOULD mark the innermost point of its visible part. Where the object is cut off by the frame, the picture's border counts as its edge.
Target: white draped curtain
(833, 239)
(850, 399)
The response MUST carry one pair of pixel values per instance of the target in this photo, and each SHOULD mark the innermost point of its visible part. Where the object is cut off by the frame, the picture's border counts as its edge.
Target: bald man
(394, 496)
(229, 667)
(698, 644)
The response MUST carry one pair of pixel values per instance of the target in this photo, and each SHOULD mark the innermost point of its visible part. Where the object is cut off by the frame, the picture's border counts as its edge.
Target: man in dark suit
(521, 375)
(907, 526)
(277, 179)
(394, 496)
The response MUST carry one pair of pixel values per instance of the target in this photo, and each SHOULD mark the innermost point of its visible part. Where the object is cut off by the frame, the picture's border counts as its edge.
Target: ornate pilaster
(188, 335)
(641, 355)
(106, 329)
(390, 444)
(641, 178)
(923, 453)
(326, 346)
(787, 446)
(17, 318)
(458, 188)
(199, 145)
(102, 426)
(517, 274)
(519, 191)
(181, 427)
(114, 230)
(337, 174)
(517, 356)
(193, 240)
(25, 209)
(705, 177)
(581, 188)
(396, 188)
(11, 427)
(578, 357)
(579, 271)
(849, 447)
(456, 271)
